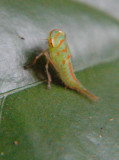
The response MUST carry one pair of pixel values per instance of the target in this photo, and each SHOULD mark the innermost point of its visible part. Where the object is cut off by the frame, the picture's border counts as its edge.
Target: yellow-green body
(60, 56)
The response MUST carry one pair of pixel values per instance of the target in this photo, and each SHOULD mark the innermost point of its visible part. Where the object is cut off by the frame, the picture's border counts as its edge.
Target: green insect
(59, 55)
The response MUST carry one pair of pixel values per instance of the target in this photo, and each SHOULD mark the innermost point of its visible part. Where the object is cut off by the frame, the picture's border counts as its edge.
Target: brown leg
(35, 60)
(49, 59)
(48, 75)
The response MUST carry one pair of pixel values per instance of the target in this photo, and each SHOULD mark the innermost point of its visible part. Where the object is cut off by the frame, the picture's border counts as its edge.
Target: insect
(59, 55)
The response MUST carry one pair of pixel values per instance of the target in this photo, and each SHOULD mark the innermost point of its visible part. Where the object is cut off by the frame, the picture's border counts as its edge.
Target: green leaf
(61, 124)
(92, 34)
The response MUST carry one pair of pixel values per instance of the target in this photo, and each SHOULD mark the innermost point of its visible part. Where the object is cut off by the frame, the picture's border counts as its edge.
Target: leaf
(37, 123)
(92, 34)
(60, 123)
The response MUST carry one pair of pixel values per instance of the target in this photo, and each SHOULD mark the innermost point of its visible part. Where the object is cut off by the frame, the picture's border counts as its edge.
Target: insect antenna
(45, 39)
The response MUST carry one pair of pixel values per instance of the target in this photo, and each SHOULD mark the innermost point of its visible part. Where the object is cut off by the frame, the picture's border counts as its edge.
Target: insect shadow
(39, 67)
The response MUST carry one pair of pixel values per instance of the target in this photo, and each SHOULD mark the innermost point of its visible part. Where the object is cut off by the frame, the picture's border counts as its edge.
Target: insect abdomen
(69, 79)
(67, 75)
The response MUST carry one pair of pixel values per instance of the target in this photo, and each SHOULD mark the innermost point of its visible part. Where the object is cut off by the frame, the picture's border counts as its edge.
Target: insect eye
(51, 42)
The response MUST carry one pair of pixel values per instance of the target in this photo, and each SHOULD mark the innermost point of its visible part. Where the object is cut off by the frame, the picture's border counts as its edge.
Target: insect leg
(48, 75)
(49, 59)
(35, 60)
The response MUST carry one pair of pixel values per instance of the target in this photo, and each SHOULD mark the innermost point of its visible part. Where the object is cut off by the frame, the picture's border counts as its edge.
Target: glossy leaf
(92, 34)
(60, 124)
(37, 123)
